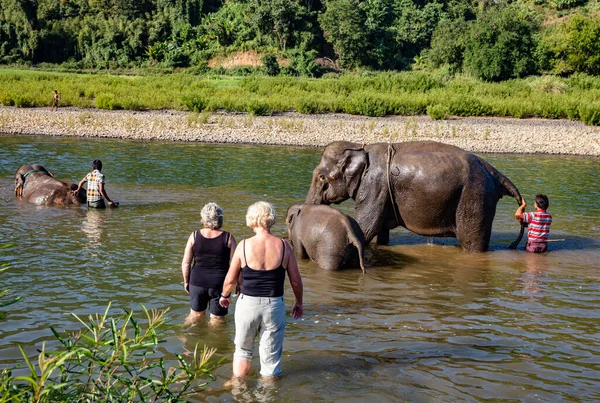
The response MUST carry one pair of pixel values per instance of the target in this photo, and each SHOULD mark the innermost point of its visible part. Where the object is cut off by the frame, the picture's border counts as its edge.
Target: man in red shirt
(539, 224)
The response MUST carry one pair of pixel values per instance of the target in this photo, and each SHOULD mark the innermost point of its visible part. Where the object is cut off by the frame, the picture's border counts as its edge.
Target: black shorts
(201, 296)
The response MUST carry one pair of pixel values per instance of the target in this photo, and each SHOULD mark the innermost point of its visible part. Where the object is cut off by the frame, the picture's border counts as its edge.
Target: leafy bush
(501, 44)
(573, 46)
(447, 45)
(590, 114)
(366, 104)
(107, 101)
(111, 359)
(438, 112)
(270, 64)
(258, 107)
(195, 102)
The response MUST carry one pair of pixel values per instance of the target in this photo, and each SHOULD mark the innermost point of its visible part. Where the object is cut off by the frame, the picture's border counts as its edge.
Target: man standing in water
(56, 97)
(96, 192)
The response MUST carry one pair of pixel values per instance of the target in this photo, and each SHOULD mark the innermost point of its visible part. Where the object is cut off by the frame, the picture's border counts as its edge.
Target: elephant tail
(508, 189)
(357, 239)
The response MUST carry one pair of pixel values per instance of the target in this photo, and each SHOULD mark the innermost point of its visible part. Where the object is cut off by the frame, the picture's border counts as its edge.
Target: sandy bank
(497, 135)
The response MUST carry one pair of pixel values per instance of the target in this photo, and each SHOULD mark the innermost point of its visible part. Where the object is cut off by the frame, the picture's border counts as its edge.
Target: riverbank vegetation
(111, 359)
(380, 57)
(490, 40)
(576, 97)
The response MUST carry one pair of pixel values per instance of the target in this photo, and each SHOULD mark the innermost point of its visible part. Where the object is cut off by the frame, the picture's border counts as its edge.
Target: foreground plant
(109, 360)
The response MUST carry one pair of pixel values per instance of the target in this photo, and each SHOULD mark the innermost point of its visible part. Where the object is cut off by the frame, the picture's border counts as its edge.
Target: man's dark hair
(97, 164)
(542, 201)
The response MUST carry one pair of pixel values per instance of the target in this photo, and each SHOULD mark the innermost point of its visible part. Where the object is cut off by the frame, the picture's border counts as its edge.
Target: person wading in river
(96, 191)
(539, 224)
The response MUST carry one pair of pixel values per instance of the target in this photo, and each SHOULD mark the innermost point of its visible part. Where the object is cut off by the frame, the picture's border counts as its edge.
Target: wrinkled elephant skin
(430, 188)
(35, 184)
(325, 235)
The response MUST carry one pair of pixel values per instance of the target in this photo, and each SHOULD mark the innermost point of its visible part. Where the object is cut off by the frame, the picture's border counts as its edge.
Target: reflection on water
(427, 322)
(92, 227)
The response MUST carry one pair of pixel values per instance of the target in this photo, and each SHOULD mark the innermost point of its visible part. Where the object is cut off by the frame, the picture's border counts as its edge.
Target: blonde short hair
(212, 216)
(261, 214)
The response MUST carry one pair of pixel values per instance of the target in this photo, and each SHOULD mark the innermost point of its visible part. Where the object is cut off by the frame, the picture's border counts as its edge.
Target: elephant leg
(329, 263)
(474, 222)
(383, 238)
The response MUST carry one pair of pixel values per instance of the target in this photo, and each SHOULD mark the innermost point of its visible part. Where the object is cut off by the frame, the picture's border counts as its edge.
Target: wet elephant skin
(430, 188)
(35, 184)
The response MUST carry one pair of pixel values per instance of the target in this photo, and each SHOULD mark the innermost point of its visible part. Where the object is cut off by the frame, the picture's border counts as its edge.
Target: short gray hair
(212, 216)
(261, 214)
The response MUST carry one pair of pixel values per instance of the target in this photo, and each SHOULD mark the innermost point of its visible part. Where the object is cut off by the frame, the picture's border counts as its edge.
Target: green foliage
(500, 44)
(270, 64)
(590, 114)
(195, 102)
(110, 359)
(372, 94)
(107, 101)
(573, 46)
(438, 112)
(565, 4)
(448, 45)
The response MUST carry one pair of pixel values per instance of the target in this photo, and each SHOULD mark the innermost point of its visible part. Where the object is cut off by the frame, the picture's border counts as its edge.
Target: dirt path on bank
(494, 135)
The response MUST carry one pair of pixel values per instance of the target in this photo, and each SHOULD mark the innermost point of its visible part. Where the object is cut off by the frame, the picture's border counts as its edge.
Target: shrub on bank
(111, 359)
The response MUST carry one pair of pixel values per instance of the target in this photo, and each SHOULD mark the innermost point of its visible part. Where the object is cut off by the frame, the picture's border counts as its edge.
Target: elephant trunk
(315, 193)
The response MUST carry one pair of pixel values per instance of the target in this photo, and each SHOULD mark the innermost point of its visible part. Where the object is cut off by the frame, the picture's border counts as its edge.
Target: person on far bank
(263, 261)
(211, 250)
(55, 99)
(538, 224)
(96, 190)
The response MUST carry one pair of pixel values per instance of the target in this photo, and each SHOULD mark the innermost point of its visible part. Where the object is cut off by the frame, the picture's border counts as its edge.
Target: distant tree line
(493, 40)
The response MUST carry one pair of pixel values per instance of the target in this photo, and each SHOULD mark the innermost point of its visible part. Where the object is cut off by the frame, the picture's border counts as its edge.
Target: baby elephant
(325, 235)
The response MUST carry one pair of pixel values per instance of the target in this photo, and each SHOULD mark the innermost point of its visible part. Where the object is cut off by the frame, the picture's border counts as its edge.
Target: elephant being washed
(34, 184)
(430, 188)
(325, 235)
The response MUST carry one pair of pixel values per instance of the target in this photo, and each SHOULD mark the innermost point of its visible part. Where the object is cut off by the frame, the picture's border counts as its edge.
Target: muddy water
(427, 322)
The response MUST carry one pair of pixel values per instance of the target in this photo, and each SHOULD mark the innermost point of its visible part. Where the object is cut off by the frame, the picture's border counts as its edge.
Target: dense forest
(492, 40)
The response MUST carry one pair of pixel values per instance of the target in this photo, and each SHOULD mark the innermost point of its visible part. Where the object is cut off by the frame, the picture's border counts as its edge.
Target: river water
(427, 323)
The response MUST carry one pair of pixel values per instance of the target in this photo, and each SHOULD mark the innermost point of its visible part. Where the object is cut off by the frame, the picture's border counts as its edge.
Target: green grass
(381, 94)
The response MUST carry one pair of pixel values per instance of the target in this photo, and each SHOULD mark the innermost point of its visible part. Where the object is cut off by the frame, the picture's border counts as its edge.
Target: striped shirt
(94, 179)
(539, 225)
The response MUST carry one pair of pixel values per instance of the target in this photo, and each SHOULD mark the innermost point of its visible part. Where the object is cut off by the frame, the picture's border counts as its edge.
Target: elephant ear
(352, 166)
(19, 181)
(292, 214)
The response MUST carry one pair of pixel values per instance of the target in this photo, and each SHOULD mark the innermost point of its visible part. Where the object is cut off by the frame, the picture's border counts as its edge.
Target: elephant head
(20, 177)
(337, 177)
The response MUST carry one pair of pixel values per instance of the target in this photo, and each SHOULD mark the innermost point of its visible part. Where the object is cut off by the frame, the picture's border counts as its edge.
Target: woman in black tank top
(210, 249)
(263, 261)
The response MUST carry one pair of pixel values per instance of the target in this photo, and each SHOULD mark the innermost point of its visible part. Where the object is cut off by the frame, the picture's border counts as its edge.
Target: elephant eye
(322, 178)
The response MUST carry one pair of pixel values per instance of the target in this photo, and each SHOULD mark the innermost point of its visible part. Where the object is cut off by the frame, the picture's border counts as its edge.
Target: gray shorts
(264, 316)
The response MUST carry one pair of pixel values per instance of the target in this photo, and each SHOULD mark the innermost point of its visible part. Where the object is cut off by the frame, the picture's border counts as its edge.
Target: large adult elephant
(430, 188)
(35, 184)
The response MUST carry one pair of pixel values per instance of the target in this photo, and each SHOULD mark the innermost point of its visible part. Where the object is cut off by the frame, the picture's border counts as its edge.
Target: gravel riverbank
(482, 135)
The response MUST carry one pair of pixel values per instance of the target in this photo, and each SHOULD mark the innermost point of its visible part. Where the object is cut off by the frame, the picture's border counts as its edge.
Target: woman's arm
(232, 276)
(295, 281)
(187, 262)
